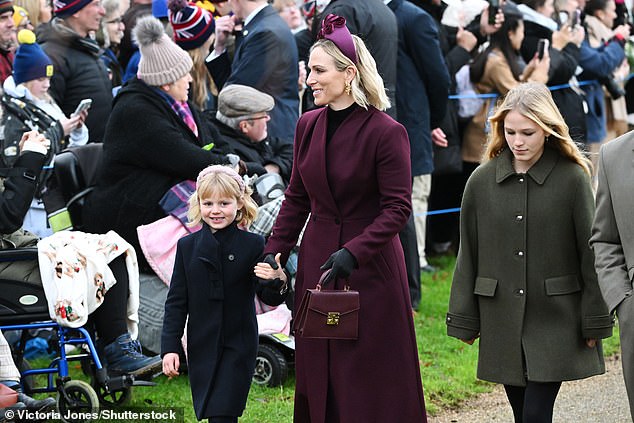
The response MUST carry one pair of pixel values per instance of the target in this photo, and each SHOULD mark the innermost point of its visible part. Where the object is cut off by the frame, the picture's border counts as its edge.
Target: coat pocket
(485, 287)
(562, 285)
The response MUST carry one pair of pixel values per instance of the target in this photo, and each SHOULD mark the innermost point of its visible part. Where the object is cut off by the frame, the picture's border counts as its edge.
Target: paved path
(599, 399)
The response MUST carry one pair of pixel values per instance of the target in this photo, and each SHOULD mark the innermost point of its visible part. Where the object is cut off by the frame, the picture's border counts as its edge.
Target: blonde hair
(46, 96)
(534, 101)
(367, 86)
(221, 184)
(202, 83)
(32, 7)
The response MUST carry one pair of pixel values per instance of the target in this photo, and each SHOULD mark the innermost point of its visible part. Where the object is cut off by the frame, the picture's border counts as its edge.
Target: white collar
(252, 14)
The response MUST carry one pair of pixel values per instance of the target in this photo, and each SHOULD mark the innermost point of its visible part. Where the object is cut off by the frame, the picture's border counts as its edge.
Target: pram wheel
(115, 398)
(270, 366)
(83, 405)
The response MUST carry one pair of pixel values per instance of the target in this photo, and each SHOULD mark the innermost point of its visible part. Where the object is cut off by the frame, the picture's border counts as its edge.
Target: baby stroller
(23, 303)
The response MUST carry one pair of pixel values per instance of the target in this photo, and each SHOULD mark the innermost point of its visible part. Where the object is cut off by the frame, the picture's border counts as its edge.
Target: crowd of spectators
(425, 51)
(225, 82)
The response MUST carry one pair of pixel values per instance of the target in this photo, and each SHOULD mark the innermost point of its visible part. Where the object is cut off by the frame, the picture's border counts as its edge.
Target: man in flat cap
(242, 119)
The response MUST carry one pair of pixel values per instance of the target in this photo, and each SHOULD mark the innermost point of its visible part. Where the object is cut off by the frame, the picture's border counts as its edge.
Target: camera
(613, 88)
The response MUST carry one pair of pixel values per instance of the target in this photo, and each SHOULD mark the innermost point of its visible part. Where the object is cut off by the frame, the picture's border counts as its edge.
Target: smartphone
(83, 105)
(542, 45)
(574, 19)
(494, 6)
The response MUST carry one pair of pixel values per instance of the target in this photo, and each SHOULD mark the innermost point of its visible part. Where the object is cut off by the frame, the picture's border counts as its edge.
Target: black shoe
(32, 404)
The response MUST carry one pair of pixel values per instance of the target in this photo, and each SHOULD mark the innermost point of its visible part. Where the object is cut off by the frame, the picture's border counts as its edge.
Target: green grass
(448, 366)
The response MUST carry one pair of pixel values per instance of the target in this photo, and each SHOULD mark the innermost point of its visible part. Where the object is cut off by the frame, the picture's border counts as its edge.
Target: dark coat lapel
(207, 248)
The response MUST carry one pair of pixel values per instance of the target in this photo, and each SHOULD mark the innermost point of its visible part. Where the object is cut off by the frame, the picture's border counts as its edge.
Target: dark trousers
(446, 192)
(412, 262)
(534, 402)
(109, 320)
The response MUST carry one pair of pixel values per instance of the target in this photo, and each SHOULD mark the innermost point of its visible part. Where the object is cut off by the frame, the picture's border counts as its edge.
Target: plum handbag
(328, 314)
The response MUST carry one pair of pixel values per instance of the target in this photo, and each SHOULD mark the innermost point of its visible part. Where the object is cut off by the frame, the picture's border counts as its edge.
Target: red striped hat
(6, 6)
(192, 25)
(66, 8)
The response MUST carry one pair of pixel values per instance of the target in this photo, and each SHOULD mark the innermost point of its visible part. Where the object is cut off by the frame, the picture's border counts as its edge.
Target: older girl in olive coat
(524, 280)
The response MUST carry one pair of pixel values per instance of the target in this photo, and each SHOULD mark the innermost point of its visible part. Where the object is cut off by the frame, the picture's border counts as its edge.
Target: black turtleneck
(336, 117)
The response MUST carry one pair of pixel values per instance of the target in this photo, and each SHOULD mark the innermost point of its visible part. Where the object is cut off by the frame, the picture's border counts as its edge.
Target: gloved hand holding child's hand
(270, 272)
(342, 263)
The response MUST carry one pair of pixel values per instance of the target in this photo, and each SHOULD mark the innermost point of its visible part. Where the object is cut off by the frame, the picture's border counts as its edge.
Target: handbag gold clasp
(333, 318)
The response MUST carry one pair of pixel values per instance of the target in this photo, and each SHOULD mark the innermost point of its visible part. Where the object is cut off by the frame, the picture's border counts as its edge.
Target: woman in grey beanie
(154, 140)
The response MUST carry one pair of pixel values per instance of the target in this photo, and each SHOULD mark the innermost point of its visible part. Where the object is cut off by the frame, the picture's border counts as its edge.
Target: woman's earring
(348, 88)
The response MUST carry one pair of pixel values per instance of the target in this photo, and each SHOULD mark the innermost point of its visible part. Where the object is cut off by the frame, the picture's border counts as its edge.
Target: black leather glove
(341, 263)
(277, 283)
(270, 260)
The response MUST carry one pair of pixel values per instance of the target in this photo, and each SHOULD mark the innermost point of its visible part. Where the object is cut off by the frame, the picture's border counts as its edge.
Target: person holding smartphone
(498, 69)
(562, 43)
(29, 106)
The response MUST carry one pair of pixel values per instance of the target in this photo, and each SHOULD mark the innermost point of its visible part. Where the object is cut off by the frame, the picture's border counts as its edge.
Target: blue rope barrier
(436, 212)
(551, 88)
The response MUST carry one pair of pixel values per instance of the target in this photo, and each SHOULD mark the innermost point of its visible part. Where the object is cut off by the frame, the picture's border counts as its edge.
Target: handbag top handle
(321, 281)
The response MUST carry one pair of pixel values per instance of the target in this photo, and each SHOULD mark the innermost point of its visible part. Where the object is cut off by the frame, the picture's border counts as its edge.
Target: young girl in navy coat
(214, 283)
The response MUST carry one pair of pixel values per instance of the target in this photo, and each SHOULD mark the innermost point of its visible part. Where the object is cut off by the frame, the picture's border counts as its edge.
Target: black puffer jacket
(147, 149)
(78, 73)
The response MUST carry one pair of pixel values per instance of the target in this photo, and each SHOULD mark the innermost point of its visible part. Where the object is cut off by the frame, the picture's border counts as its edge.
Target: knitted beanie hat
(192, 25)
(162, 61)
(30, 61)
(66, 8)
(6, 6)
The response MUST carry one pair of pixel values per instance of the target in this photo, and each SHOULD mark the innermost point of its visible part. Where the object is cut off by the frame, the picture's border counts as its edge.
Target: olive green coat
(525, 278)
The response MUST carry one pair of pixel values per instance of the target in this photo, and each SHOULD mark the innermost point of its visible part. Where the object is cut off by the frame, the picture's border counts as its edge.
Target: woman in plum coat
(351, 173)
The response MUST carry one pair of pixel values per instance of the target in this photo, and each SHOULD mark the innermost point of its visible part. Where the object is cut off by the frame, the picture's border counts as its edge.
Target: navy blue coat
(596, 63)
(422, 83)
(265, 59)
(213, 283)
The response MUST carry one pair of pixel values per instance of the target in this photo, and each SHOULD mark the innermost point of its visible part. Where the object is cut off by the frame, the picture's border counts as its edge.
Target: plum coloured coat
(357, 189)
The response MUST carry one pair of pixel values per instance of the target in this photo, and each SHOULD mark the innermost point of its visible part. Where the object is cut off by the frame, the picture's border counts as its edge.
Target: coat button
(520, 292)
(520, 253)
(337, 221)
(231, 257)
(521, 179)
(519, 217)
